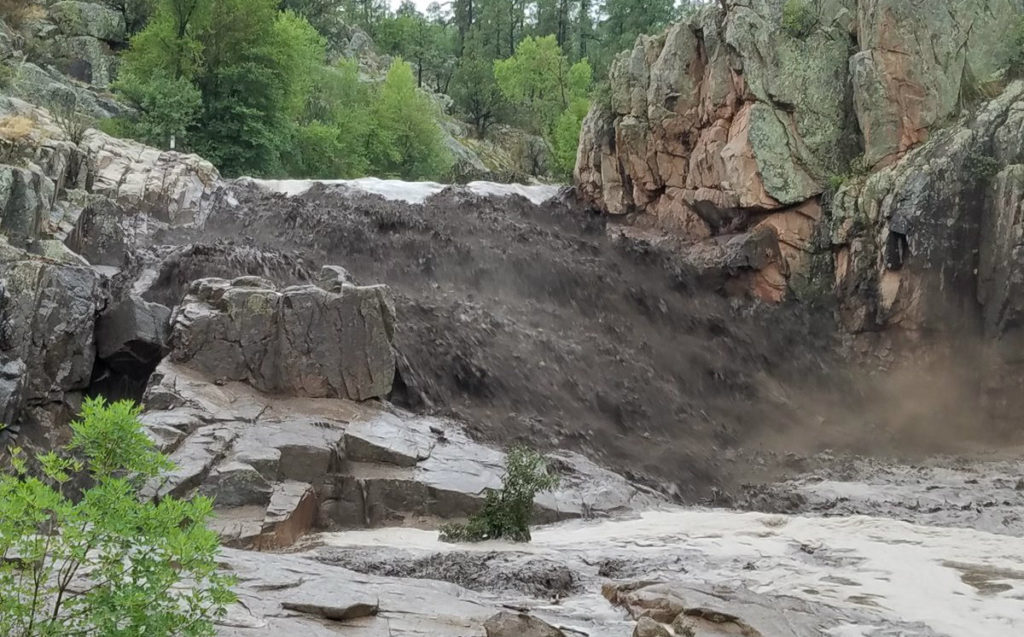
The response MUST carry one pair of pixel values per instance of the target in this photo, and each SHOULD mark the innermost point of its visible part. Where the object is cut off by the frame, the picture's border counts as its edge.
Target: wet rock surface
(300, 340)
(283, 467)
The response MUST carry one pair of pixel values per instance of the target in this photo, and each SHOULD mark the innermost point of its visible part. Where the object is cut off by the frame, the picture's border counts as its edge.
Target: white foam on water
(896, 571)
(536, 193)
(415, 192)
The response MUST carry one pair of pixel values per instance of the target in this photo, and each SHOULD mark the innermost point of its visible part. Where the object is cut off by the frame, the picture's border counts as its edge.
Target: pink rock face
(678, 147)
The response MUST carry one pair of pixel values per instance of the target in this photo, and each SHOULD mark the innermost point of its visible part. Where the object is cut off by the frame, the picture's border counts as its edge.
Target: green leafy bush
(566, 137)
(167, 108)
(508, 511)
(798, 18)
(104, 561)
(405, 137)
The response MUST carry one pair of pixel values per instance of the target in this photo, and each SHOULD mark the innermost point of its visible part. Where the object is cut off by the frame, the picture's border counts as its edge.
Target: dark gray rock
(234, 484)
(302, 340)
(50, 321)
(12, 375)
(25, 198)
(105, 232)
(132, 336)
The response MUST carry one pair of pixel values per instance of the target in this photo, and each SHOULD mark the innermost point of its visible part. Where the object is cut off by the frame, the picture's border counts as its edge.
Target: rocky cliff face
(731, 123)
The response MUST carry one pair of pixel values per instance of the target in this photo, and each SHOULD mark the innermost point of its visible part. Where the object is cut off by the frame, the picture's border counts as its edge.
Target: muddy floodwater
(924, 562)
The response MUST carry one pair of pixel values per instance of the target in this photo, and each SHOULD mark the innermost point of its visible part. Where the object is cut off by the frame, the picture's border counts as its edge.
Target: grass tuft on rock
(798, 19)
(507, 512)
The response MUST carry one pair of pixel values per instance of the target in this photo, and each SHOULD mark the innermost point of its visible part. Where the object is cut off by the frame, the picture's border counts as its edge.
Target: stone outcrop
(927, 250)
(80, 39)
(301, 340)
(728, 123)
(48, 313)
(294, 595)
(172, 187)
(915, 66)
(279, 467)
(132, 335)
(25, 200)
(689, 610)
(76, 18)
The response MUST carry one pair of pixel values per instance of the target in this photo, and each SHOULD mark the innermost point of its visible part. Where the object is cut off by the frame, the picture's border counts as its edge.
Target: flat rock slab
(277, 467)
(194, 460)
(293, 595)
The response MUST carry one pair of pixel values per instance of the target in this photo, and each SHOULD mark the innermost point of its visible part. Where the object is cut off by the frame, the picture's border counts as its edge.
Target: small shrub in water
(507, 512)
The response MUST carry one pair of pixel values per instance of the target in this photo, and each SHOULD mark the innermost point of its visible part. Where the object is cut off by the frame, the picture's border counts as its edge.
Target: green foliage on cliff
(566, 136)
(798, 18)
(105, 562)
(507, 512)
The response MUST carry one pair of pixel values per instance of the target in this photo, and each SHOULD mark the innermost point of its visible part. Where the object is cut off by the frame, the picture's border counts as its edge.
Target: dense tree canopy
(256, 86)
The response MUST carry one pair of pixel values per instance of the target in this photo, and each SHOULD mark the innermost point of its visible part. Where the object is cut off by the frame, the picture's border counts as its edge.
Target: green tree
(333, 133)
(107, 562)
(365, 14)
(169, 45)
(583, 31)
(539, 80)
(167, 107)
(625, 20)
(428, 45)
(405, 137)
(565, 138)
(326, 16)
(252, 65)
(476, 93)
(507, 512)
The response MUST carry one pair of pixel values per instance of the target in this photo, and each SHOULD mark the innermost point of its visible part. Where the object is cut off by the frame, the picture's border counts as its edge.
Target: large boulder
(732, 119)
(909, 239)
(47, 321)
(105, 233)
(88, 19)
(302, 340)
(721, 120)
(721, 113)
(132, 336)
